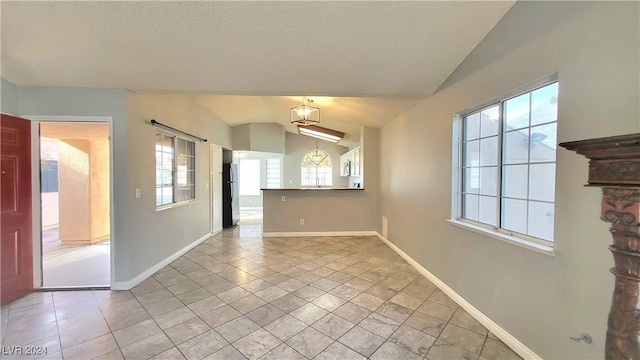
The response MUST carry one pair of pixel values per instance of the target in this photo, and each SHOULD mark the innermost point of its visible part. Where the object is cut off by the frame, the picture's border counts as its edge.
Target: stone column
(614, 166)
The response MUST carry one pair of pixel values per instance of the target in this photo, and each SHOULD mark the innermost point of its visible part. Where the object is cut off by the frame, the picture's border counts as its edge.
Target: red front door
(16, 243)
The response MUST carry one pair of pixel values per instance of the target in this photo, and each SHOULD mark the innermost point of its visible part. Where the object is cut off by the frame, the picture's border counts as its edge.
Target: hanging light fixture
(321, 133)
(305, 114)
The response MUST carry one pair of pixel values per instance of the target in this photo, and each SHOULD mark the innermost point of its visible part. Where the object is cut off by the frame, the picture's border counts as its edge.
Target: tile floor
(238, 296)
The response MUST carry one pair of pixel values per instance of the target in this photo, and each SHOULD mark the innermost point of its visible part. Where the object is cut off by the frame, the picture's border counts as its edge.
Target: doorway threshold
(72, 288)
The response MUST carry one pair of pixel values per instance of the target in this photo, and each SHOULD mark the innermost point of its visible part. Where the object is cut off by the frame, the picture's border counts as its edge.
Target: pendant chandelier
(305, 114)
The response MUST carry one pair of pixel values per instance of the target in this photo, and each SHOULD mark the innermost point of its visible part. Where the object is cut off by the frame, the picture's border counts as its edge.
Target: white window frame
(174, 172)
(270, 181)
(328, 169)
(522, 240)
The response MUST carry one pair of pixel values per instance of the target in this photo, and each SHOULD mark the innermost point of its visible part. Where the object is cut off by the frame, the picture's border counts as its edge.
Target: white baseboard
(320, 233)
(498, 331)
(126, 285)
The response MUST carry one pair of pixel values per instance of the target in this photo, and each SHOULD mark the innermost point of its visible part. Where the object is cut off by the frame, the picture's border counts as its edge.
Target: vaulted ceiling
(363, 63)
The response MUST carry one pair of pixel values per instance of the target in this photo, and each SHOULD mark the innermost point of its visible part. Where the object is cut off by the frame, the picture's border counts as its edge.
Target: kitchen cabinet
(350, 163)
(355, 162)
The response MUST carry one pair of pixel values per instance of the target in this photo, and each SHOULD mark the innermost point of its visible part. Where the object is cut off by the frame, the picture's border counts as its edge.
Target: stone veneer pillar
(614, 166)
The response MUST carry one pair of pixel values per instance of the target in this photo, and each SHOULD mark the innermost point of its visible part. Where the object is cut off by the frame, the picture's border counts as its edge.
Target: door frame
(36, 120)
(212, 174)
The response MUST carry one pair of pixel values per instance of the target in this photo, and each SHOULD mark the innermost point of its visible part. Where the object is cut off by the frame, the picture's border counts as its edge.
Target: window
(509, 163)
(175, 169)
(249, 177)
(274, 171)
(316, 169)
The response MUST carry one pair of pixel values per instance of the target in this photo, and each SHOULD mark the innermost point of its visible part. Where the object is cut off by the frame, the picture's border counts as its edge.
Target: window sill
(175, 205)
(540, 248)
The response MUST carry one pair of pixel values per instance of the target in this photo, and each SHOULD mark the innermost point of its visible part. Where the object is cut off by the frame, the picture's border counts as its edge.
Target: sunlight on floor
(68, 266)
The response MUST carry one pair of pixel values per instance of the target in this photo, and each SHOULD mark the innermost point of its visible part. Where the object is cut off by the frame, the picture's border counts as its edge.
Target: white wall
(541, 300)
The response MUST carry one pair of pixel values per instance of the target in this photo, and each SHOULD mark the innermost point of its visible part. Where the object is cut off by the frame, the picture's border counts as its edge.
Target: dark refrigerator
(230, 196)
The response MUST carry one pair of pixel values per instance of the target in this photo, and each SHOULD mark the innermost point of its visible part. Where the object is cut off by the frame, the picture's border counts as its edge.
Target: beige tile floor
(238, 296)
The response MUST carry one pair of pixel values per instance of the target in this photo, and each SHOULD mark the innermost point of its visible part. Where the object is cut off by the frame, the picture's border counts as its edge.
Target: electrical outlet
(301, 221)
(284, 199)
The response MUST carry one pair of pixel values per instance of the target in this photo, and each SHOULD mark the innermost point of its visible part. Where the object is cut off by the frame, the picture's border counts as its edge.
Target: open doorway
(257, 170)
(75, 204)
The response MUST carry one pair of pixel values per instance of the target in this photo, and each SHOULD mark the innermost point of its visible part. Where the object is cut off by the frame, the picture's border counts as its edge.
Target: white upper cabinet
(350, 163)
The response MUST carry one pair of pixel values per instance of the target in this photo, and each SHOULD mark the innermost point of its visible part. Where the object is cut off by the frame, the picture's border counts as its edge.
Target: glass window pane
(516, 113)
(488, 180)
(167, 195)
(158, 142)
(181, 146)
(167, 143)
(167, 178)
(542, 182)
(191, 148)
(470, 206)
(185, 193)
(182, 159)
(543, 143)
(541, 216)
(516, 147)
(514, 181)
(472, 126)
(472, 153)
(191, 177)
(471, 180)
(158, 196)
(488, 211)
(489, 121)
(489, 151)
(514, 215)
(544, 104)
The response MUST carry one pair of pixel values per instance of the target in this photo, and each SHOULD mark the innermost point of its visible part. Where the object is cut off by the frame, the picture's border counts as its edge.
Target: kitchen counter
(317, 211)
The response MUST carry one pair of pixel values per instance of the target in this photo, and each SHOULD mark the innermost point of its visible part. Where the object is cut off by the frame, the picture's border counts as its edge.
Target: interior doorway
(75, 204)
(257, 170)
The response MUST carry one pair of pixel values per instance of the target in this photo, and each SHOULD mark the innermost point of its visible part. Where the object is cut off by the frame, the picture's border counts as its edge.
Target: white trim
(57, 118)
(35, 191)
(502, 334)
(126, 285)
(36, 206)
(320, 233)
(513, 240)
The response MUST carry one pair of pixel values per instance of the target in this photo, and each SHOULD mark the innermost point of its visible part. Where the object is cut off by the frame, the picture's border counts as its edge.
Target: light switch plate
(138, 193)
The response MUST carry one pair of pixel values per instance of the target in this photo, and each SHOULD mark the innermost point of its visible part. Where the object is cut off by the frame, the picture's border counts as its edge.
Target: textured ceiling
(401, 51)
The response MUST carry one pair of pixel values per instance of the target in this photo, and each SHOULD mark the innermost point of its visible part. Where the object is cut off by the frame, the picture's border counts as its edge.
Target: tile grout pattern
(239, 296)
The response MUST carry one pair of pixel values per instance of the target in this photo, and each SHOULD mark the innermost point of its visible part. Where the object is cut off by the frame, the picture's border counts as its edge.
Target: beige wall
(265, 137)
(50, 211)
(539, 299)
(153, 236)
(297, 147)
(83, 182)
(99, 162)
(74, 189)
